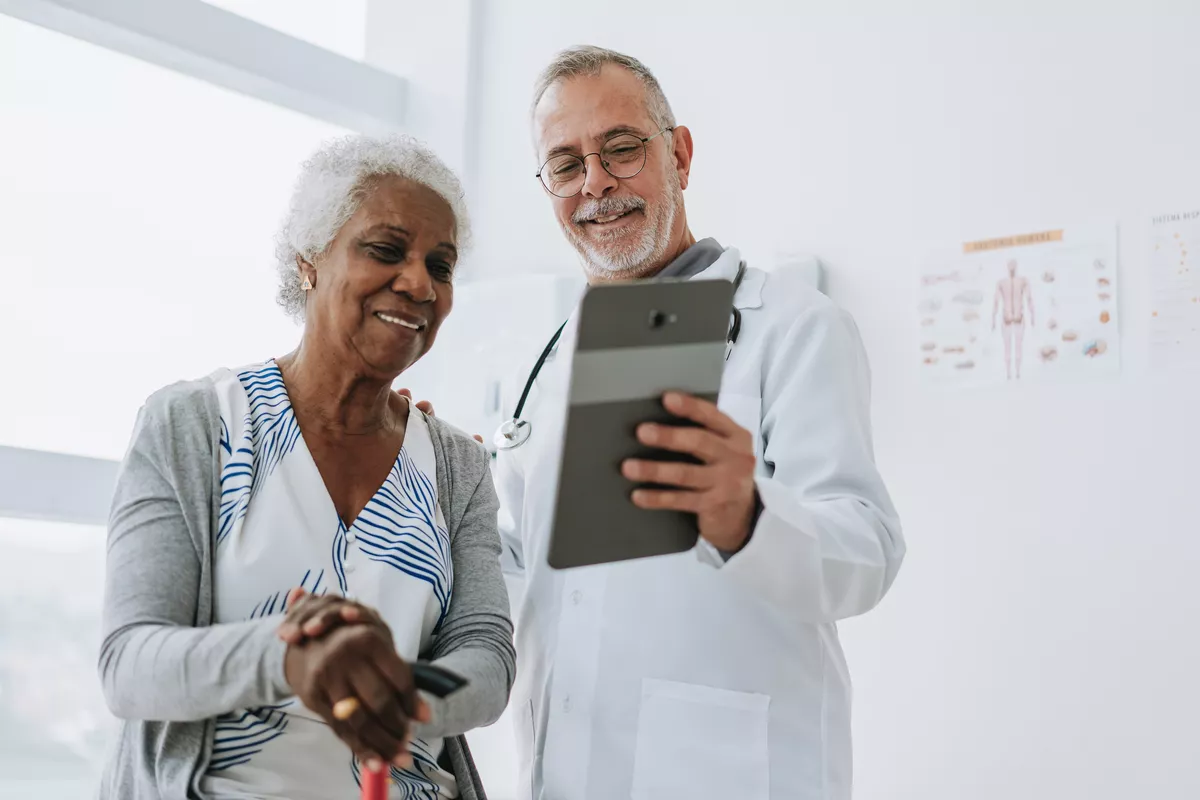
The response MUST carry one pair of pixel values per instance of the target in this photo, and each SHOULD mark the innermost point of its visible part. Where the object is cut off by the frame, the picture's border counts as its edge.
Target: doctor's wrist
(755, 513)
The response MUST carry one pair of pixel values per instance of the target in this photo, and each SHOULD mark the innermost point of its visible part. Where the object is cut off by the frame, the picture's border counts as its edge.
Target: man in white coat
(715, 673)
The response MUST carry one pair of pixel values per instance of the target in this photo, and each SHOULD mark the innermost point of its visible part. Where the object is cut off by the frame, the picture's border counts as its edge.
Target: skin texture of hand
(338, 649)
(312, 616)
(427, 407)
(720, 491)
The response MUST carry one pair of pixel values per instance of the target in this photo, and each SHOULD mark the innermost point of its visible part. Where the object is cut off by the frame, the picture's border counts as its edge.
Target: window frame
(208, 43)
(211, 44)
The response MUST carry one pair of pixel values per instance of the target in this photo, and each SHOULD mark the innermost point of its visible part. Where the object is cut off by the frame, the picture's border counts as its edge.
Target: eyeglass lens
(622, 156)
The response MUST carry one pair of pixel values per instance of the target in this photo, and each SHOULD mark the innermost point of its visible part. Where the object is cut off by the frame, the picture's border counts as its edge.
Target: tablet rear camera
(660, 318)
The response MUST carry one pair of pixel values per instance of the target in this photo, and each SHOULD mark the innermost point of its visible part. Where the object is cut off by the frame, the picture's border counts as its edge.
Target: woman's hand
(356, 669)
(342, 663)
(311, 616)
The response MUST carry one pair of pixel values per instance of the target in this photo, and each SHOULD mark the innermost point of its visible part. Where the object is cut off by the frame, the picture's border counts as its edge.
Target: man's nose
(597, 182)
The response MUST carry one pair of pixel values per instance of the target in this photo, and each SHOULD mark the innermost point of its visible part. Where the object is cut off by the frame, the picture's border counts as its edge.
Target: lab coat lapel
(749, 293)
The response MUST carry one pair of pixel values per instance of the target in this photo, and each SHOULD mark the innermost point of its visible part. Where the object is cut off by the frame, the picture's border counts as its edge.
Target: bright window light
(139, 208)
(55, 729)
(138, 211)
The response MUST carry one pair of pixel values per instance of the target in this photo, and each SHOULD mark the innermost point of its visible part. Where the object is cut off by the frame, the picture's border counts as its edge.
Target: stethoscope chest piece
(513, 433)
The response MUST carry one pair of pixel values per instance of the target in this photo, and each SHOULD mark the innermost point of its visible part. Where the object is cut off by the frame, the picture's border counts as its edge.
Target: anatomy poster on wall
(1031, 307)
(1175, 289)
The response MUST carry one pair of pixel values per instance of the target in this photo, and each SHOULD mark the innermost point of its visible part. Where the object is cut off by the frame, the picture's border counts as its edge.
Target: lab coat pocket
(701, 743)
(745, 410)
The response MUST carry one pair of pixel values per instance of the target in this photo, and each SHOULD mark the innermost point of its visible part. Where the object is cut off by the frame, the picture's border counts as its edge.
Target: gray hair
(589, 60)
(333, 184)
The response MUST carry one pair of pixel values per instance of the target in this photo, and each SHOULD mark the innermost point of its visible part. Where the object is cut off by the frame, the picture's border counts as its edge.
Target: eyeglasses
(622, 156)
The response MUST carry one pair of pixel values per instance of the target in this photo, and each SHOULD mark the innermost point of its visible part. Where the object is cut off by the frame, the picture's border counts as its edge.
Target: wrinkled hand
(427, 407)
(720, 491)
(312, 616)
(340, 650)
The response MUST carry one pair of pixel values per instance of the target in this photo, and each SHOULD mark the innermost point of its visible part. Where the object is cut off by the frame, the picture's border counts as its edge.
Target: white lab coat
(686, 676)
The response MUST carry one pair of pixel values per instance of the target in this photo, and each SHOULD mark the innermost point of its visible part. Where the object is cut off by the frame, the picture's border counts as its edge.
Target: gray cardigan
(168, 671)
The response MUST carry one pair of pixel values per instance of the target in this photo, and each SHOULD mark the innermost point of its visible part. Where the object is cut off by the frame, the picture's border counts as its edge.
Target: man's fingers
(667, 500)
(422, 405)
(477, 437)
(702, 411)
(703, 444)
(668, 473)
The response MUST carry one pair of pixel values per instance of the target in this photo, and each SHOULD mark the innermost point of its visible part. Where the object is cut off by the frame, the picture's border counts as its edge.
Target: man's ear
(682, 143)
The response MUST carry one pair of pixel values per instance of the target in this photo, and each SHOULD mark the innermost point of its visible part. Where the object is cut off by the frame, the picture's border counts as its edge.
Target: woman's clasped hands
(342, 664)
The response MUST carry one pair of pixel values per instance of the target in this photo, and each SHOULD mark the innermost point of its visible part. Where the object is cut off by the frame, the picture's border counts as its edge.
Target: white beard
(633, 260)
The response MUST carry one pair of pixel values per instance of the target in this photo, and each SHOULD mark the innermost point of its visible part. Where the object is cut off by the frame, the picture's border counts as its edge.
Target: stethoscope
(515, 432)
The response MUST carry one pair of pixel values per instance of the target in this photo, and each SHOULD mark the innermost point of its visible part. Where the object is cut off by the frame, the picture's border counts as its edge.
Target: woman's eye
(441, 271)
(384, 253)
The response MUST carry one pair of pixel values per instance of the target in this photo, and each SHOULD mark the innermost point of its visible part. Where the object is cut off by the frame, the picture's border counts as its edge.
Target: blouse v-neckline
(311, 462)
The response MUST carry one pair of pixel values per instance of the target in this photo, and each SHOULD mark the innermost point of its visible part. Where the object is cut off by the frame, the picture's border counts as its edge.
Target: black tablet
(635, 342)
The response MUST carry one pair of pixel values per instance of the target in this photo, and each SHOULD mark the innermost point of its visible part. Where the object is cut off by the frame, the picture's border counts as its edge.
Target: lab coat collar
(749, 293)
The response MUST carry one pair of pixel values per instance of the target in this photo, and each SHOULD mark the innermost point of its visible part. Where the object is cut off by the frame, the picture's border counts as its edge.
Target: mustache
(606, 206)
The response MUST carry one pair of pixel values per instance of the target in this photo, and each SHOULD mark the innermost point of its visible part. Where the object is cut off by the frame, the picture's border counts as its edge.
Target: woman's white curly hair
(332, 186)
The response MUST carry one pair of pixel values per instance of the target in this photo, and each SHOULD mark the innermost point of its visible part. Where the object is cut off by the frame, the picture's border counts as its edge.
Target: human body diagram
(1013, 294)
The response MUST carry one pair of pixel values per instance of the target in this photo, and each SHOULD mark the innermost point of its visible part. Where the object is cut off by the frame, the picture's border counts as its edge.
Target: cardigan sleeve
(155, 663)
(476, 638)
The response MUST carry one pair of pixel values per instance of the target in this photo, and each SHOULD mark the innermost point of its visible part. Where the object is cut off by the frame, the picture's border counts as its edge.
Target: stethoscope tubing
(519, 429)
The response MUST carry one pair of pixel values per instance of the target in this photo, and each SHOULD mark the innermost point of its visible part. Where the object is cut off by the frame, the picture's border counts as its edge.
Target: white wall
(1040, 641)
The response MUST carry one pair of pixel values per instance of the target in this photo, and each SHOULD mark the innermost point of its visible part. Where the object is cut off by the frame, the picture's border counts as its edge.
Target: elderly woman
(305, 484)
